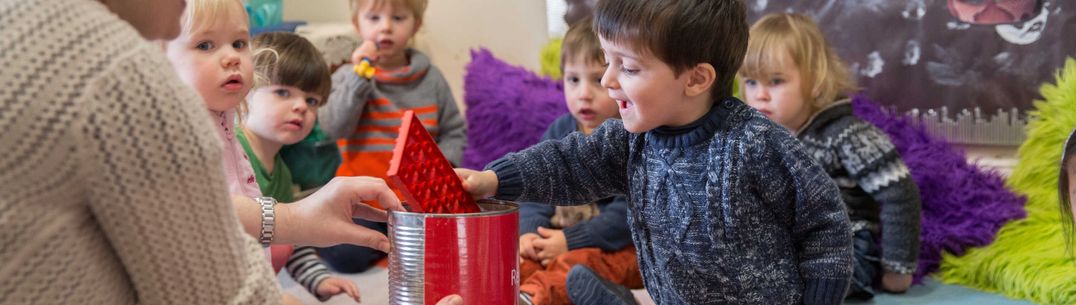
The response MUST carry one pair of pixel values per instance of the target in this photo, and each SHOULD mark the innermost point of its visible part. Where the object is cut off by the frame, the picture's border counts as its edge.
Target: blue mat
(933, 292)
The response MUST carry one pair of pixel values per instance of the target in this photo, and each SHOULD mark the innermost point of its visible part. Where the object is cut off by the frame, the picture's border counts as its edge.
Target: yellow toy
(365, 69)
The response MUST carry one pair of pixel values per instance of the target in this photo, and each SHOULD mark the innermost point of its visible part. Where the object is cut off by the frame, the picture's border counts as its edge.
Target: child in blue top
(596, 235)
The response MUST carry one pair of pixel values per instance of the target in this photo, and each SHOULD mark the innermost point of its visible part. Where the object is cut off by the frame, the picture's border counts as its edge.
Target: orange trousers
(548, 285)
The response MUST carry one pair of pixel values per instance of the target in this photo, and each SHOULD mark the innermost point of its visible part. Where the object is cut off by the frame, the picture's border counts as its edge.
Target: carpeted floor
(374, 289)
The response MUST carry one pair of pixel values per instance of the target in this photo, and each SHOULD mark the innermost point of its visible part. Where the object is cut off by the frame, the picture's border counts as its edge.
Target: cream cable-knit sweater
(111, 190)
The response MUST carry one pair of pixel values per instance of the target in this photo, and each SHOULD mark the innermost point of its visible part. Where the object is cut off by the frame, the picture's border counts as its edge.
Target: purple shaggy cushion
(508, 108)
(963, 205)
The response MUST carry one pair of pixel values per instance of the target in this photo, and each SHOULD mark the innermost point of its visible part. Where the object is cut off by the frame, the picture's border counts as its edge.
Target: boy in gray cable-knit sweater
(725, 206)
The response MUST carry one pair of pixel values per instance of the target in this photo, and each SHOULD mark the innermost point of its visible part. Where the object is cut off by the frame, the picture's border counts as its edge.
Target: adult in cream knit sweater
(110, 172)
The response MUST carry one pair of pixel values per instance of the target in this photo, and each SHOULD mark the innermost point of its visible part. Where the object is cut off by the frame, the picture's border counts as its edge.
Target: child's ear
(700, 79)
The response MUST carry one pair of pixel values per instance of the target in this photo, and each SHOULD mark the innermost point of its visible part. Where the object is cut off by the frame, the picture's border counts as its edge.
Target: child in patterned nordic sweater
(792, 76)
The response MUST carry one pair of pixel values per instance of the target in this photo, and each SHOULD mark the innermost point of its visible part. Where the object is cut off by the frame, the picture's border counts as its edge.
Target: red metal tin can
(475, 255)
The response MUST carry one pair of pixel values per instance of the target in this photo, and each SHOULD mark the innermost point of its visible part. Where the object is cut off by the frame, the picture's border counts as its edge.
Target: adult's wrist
(268, 220)
(285, 225)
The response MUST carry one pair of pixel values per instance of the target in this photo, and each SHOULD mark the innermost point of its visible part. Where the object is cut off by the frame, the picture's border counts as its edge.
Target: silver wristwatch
(268, 219)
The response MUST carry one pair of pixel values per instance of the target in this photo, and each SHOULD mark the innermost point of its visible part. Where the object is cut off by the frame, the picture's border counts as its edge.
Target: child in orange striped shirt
(364, 113)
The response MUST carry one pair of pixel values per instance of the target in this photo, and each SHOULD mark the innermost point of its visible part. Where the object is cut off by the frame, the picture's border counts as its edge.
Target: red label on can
(475, 257)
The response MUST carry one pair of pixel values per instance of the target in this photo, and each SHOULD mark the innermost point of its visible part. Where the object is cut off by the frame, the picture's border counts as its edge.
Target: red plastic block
(422, 174)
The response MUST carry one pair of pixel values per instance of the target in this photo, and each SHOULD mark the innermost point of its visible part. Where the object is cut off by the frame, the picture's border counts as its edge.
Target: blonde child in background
(364, 114)
(726, 206)
(292, 81)
(596, 235)
(212, 55)
(791, 75)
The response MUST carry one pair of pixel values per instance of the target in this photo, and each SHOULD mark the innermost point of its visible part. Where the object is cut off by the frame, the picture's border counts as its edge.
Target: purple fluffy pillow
(508, 108)
(963, 205)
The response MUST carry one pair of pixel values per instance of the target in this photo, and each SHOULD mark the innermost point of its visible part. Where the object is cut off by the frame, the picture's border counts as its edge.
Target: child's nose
(300, 106)
(584, 92)
(609, 78)
(386, 25)
(231, 58)
(762, 94)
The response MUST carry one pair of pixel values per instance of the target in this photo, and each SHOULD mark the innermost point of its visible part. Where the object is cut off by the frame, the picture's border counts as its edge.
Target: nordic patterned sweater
(727, 210)
(874, 182)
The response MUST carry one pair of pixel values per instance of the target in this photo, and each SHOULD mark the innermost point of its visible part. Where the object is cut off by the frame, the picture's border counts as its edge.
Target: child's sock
(586, 287)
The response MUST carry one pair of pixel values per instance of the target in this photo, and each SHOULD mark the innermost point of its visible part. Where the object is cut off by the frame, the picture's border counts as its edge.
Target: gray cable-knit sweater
(727, 210)
(608, 231)
(874, 182)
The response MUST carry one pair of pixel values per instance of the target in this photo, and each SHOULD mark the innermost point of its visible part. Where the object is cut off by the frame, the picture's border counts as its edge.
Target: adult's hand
(324, 218)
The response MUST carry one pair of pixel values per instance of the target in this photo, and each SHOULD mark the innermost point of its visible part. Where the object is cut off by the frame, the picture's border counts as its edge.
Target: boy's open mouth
(587, 114)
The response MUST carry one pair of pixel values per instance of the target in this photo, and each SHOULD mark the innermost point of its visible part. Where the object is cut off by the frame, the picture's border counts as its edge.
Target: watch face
(994, 12)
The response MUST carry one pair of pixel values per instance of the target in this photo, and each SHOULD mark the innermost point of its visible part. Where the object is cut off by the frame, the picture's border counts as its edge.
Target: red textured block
(422, 174)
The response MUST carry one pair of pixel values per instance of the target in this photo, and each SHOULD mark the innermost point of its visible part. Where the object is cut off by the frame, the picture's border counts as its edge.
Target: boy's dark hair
(1063, 190)
(682, 33)
(288, 59)
(581, 41)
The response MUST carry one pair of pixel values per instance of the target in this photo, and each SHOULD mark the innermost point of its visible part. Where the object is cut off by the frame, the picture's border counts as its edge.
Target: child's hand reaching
(368, 49)
(552, 244)
(364, 58)
(480, 184)
(335, 285)
(896, 282)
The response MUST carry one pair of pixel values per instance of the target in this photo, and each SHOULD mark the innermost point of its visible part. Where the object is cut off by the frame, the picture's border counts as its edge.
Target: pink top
(240, 177)
(237, 169)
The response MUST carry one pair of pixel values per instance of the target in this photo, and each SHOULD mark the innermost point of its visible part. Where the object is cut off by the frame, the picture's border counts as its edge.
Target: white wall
(514, 30)
(317, 10)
